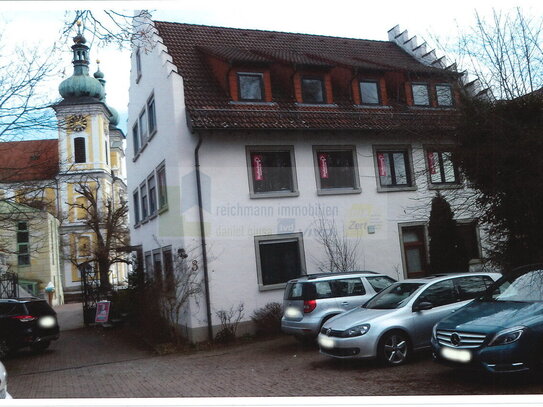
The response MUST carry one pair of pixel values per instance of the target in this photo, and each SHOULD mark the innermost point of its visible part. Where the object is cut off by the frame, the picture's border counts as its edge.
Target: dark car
(501, 331)
(28, 322)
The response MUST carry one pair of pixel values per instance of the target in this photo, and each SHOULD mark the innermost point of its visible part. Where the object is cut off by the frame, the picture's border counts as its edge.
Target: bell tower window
(80, 154)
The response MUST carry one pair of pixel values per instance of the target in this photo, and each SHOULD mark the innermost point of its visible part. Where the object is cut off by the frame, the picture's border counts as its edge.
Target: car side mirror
(423, 306)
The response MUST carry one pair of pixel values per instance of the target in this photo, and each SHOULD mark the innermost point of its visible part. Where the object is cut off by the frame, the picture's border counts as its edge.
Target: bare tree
(341, 252)
(107, 219)
(110, 26)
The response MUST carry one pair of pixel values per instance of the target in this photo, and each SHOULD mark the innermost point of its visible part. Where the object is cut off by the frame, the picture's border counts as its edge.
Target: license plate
(456, 355)
(293, 313)
(326, 342)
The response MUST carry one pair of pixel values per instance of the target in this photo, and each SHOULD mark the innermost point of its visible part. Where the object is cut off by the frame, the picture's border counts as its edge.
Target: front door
(414, 250)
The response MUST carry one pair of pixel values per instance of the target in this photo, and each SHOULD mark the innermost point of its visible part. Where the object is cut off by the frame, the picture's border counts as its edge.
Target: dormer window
(250, 86)
(369, 93)
(313, 90)
(420, 94)
(444, 95)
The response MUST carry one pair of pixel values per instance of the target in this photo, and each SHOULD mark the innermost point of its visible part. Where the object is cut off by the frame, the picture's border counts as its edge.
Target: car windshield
(526, 287)
(394, 296)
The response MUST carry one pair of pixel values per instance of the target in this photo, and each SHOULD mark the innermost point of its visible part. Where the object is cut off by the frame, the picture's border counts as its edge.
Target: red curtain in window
(323, 165)
(258, 175)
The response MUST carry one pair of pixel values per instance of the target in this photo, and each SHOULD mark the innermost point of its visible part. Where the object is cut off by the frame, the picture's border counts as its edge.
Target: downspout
(203, 237)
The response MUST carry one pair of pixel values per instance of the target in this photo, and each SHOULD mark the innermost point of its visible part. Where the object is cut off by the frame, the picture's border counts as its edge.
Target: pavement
(94, 362)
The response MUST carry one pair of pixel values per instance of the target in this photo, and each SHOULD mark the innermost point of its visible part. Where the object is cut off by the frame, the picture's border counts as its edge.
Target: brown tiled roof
(210, 107)
(32, 160)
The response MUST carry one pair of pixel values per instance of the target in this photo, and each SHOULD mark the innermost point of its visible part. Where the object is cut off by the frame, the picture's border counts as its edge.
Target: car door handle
(344, 303)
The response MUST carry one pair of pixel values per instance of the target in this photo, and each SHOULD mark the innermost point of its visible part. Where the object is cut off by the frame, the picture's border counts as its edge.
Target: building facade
(246, 144)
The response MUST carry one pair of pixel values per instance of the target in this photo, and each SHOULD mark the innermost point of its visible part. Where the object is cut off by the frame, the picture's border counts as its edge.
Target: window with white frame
(394, 168)
(280, 258)
(336, 169)
(369, 93)
(151, 187)
(441, 168)
(271, 171)
(250, 86)
(23, 244)
(162, 190)
(144, 203)
(421, 96)
(138, 64)
(136, 201)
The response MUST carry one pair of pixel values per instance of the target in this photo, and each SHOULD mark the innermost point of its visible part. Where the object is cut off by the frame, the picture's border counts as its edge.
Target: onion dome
(80, 84)
(99, 75)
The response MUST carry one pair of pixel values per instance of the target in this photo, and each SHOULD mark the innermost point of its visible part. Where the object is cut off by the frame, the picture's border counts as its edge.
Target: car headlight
(357, 330)
(507, 336)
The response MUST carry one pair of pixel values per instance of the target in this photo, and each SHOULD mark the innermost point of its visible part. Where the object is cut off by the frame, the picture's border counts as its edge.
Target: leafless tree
(111, 26)
(181, 283)
(107, 219)
(341, 252)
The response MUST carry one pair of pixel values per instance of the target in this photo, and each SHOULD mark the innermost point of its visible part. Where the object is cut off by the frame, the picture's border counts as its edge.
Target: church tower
(91, 152)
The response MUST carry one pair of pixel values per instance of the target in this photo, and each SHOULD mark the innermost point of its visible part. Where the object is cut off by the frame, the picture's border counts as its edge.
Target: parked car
(400, 318)
(3, 383)
(311, 300)
(26, 322)
(501, 331)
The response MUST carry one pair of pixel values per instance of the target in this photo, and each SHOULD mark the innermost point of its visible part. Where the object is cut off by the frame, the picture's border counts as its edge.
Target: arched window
(79, 150)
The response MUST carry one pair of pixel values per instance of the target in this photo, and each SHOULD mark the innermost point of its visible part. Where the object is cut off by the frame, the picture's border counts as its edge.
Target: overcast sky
(40, 23)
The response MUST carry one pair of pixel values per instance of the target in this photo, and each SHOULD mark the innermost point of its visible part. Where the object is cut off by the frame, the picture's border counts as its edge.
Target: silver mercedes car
(400, 318)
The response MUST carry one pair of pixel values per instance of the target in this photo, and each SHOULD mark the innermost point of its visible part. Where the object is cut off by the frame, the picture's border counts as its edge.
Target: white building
(242, 139)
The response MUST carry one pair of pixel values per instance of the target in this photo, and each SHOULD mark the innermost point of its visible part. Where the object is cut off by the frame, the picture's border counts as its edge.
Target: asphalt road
(93, 362)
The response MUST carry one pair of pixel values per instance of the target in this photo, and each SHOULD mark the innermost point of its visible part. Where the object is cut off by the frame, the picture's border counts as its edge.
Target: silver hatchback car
(400, 318)
(311, 300)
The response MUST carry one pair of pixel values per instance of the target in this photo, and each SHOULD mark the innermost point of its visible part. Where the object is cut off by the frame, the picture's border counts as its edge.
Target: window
(441, 168)
(23, 246)
(83, 247)
(136, 199)
(151, 186)
(271, 171)
(439, 294)
(107, 153)
(420, 94)
(279, 258)
(144, 207)
(414, 250)
(250, 86)
(467, 234)
(379, 283)
(149, 264)
(151, 114)
(167, 262)
(157, 266)
(470, 287)
(313, 90)
(136, 138)
(394, 168)
(143, 125)
(369, 93)
(336, 169)
(138, 65)
(162, 191)
(444, 95)
(81, 208)
(347, 287)
(80, 154)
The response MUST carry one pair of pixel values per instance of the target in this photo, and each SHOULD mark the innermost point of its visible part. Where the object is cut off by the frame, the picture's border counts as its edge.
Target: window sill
(151, 135)
(373, 107)
(396, 189)
(273, 195)
(445, 186)
(137, 225)
(154, 215)
(252, 102)
(143, 222)
(339, 191)
(438, 108)
(23, 265)
(280, 286)
(315, 104)
(163, 209)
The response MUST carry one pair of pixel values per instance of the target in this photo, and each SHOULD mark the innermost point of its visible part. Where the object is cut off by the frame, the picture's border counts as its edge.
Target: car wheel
(394, 348)
(4, 348)
(40, 346)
